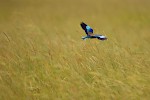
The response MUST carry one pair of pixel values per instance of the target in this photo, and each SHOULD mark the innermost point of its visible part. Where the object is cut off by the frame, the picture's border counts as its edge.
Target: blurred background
(42, 55)
(124, 19)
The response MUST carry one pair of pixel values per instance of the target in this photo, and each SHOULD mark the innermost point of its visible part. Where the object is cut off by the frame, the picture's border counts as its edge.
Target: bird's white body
(100, 37)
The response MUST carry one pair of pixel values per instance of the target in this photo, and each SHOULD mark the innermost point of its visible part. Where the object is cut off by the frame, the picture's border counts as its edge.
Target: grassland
(42, 56)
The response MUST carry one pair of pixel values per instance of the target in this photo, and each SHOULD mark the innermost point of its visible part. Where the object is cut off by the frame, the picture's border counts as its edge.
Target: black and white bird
(89, 32)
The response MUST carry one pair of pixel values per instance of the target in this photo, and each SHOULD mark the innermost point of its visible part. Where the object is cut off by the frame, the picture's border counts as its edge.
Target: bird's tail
(84, 38)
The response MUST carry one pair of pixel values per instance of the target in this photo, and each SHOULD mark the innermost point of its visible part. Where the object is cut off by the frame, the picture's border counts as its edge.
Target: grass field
(42, 55)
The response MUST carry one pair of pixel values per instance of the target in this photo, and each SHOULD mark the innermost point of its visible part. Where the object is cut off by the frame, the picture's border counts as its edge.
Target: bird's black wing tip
(81, 22)
(83, 25)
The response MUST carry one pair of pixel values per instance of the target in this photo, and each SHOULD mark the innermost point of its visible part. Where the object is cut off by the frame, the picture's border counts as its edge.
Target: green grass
(42, 55)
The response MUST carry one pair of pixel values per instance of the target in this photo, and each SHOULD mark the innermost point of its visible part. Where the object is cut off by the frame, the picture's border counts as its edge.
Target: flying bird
(89, 32)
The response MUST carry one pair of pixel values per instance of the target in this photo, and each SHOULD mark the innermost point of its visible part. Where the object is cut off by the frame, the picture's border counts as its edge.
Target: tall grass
(42, 56)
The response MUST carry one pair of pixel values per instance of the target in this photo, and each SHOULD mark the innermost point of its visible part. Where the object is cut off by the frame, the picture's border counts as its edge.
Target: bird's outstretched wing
(88, 30)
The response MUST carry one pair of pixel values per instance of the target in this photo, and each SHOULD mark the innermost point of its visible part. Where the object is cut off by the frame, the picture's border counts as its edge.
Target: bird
(89, 32)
